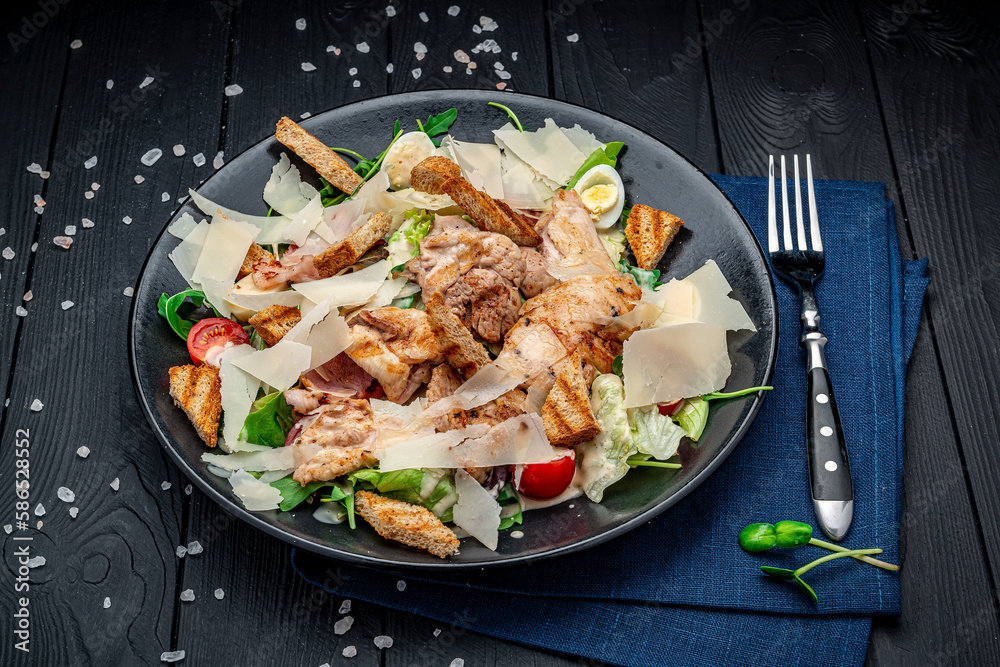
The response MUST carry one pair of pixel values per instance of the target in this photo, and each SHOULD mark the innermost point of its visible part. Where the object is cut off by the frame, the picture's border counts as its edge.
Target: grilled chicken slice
(295, 266)
(340, 440)
(536, 279)
(569, 239)
(445, 380)
(395, 346)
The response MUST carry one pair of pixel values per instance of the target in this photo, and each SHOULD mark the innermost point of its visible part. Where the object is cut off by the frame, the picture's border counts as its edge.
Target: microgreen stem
(420, 126)
(865, 559)
(269, 211)
(349, 152)
(513, 117)
(652, 464)
(734, 394)
(819, 561)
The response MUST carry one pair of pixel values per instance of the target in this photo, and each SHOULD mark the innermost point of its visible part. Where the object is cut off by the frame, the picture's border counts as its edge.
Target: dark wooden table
(902, 92)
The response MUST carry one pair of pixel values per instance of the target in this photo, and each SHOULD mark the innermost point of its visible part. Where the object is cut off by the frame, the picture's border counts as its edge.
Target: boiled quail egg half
(603, 194)
(409, 150)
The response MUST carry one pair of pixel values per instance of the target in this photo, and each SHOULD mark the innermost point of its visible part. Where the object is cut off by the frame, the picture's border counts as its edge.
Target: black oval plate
(653, 174)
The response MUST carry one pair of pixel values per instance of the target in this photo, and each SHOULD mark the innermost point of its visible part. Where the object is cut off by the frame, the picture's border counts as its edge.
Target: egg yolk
(599, 198)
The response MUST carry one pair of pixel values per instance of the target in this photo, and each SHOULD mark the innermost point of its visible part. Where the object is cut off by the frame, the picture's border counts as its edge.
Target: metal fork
(829, 468)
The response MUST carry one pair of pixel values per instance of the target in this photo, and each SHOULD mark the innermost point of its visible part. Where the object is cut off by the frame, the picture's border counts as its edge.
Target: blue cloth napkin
(678, 590)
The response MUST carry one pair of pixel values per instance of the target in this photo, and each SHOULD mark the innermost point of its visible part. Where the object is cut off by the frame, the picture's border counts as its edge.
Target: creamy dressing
(332, 513)
(574, 491)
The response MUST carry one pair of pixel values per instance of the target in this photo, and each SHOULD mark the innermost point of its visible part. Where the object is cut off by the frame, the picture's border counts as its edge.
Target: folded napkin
(679, 590)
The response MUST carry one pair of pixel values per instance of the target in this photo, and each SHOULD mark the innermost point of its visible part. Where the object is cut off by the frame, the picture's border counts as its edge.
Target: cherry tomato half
(213, 332)
(547, 480)
(667, 409)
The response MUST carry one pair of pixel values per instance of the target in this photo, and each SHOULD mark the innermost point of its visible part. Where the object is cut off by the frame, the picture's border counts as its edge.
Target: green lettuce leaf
(692, 417)
(404, 244)
(294, 494)
(269, 421)
(642, 277)
(607, 155)
(181, 316)
(605, 459)
(508, 499)
(432, 488)
(653, 433)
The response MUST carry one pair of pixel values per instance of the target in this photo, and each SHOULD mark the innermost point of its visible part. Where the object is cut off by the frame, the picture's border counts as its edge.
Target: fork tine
(786, 218)
(814, 235)
(799, 226)
(772, 217)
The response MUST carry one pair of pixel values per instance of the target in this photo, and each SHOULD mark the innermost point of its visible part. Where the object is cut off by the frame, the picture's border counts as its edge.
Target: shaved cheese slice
(417, 199)
(185, 255)
(403, 413)
(255, 494)
(584, 141)
(712, 304)
(239, 389)
(387, 291)
(480, 164)
(537, 351)
(488, 383)
(546, 149)
(246, 299)
(477, 511)
(666, 364)
(305, 221)
(284, 191)
(350, 289)
(225, 247)
(518, 179)
(276, 458)
(279, 366)
(324, 331)
(270, 226)
(343, 218)
(216, 291)
(182, 226)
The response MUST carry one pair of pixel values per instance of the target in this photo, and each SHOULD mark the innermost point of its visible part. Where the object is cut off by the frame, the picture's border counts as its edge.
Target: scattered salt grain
(454, 10)
(400, 585)
(37, 405)
(150, 157)
(171, 656)
(389, 68)
(165, 196)
(219, 593)
(37, 561)
(88, 194)
(573, 38)
(165, 486)
(416, 73)
(107, 603)
(65, 495)
(195, 548)
(447, 68)
(145, 82)
(343, 625)
(7, 528)
(423, 17)
(461, 56)
(115, 483)
(73, 511)
(308, 67)
(34, 168)
(139, 178)
(349, 652)
(390, 11)
(199, 160)
(83, 452)
(502, 74)
(70, 230)
(498, 65)
(345, 607)
(128, 291)
(39, 510)
(217, 161)
(513, 56)
(188, 489)
(437, 632)
(20, 311)
(468, 70)
(418, 47)
(300, 24)
(457, 662)
(516, 534)
(38, 525)
(127, 220)
(87, 223)
(39, 210)
(28, 296)
(477, 29)
(66, 305)
(352, 71)
(488, 24)
(63, 242)
(363, 47)
(233, 89)
(356, 84)
(187, 595)
(75, 44)
(110, 84)
(501, 86)
(90, 163)
(179, 150)
(181, 551)
(383, 641)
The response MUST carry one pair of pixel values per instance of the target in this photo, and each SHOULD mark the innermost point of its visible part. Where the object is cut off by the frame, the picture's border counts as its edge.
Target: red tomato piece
(213, 332)
(667, 409)
(547, 480)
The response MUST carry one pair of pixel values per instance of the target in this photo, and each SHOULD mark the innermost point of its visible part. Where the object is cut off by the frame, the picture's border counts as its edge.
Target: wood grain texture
(937, 73)
(640, 62)
(120, 546)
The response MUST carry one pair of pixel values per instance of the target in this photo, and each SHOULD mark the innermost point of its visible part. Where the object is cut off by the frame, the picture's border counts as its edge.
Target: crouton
(255, 254)
(347, 252)
(439, 175)
(412, 525)
(454, 340)
(273, 322)
(649, 232)
(566, 414)
(318, 155)
(197, 391)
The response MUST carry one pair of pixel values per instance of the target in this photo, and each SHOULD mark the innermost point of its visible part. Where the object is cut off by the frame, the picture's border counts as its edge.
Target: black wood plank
(641, 62)
(74, 360)
(788, 78)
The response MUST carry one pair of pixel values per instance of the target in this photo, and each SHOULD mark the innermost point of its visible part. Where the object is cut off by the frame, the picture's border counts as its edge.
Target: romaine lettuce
(404, 244)
(653, 433)
(605, 459)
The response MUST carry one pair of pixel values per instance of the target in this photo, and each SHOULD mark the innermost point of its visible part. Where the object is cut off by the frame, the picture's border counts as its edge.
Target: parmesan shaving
(277, 458)
(480, 164)
(584, 141)
(284, 191)
(225, 247)
(547, 150)
(239, 389)
(476, 511)
(323, 331)
(270, 226)
(185, 255)
(305, 221)
(712, 304)
(183, 226)
(279, 366)
(255, 495)
(350, 289)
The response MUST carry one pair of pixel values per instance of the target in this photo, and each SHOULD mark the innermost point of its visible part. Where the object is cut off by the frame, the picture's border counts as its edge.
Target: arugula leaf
(439, 124)
(179, 315)
(513, 117)
(506, 498)
(623, 218)
(269, 422)
(294, 494)
(692, 417)
(607, 155)
(617, 366)
(408, 485)
(643, 278)
(412, 301)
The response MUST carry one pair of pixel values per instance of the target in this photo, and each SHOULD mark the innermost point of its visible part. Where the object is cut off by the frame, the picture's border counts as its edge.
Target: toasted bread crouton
(439, 175)
(347, 252)
(319, 156)
(567, 415)
(197, 391)
(412, 525)
(255, 254)
(649, 232)
(455, 341)
(273, 322)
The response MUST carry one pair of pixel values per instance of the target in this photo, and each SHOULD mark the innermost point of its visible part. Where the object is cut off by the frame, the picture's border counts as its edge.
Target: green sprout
(758, 537)
(796, 575)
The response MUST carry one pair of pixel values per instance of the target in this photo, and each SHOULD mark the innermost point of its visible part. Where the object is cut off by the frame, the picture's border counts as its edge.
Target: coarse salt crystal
(488, 24)
(171, 656)
(83, 452)
(39, 510)
(363, 47)
(447, 68)
(150, 157)
(45, 174)
(34, 168)
(418, 47)
(38, 525)
(389, 68)
(145, 82)
(513, 55)
(423, 17)
(233, 89)
(501, 86)
(349, 651)
(165, 486)
(345, 607)
(472, 64)
(181, 551)
(502, 74)
(457, 662)
(127, 220)
(400, 585)
(390, 11)
(28, 296)
(343, 625)
(308, 67)
(165, 196)
(66, 305)
(75, 44)
(7, 528)
(217, 161)
(304, 115)
(383, 641)
(128, 291)
(107, 603)
(88, 194)
(468, 70)
(90, 163)
(498, 65)
(39, 209)
(516, 534)
(139, 178)
(352, 71)
(477, 29)
(70, 230)
(356, 84)
(115, 483)
(219, 593)
(65, 495)
(20, 311)
(188, 489)
(416, 73)
(187, 595)
(331, 48)
(87, 223)
(63, 241)
(195, 548)
(300, 24)
(461, 56)
(573, 38)
(454, 10)
(437, 632)
(110, 84)
(199, 160)
(73, 511)
(421, 56)
(179, 150)
(36, 405)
